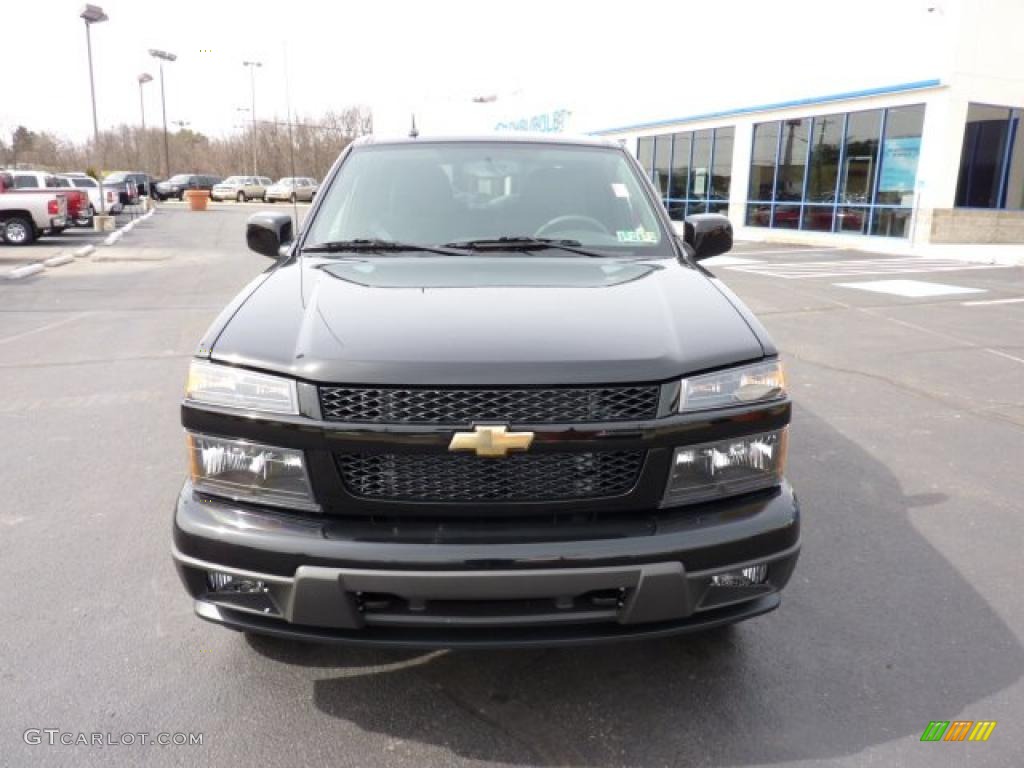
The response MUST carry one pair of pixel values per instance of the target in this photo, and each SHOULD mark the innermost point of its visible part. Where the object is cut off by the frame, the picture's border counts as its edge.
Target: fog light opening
(743, 577)
(225, 582)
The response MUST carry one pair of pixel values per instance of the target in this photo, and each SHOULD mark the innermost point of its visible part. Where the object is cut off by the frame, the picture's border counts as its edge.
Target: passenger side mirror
(709, 234)
(269, 233)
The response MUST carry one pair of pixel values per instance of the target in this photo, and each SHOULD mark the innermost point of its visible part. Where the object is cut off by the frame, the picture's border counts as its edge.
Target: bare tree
(317, 143)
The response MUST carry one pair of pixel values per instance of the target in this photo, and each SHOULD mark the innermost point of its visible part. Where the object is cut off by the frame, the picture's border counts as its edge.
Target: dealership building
(930, 154)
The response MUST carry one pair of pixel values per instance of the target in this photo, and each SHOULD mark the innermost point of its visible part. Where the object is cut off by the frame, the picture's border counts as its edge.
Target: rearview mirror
(269, 233)
(709, 234)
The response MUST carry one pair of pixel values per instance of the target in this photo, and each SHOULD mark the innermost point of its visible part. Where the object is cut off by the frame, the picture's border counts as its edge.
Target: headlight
(238, 388)
(734, 386)
(726, 468)
(247, 471)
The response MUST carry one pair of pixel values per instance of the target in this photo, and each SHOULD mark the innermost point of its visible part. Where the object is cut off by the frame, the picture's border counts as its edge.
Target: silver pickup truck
(25, 214)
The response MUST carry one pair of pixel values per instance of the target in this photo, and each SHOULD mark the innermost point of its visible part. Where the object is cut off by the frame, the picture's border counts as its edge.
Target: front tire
(18, 230)
(241, 197)
(293, 199)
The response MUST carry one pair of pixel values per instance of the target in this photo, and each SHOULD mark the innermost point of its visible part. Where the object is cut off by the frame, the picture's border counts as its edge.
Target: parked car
(122, 183)
(178, 185)
(91, 188)
(77, 202)
(26, 213)
(484, 447)
(241, 188)
(292, 188)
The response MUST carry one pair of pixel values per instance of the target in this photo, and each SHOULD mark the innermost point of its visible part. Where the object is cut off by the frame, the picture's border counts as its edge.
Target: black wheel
(293, 198)
(18, 230)
(241, 197)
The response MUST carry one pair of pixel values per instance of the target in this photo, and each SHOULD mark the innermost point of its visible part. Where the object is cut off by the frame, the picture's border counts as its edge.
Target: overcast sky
(613, 62)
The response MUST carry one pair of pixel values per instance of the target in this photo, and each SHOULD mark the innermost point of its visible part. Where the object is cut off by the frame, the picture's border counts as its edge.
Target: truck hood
(488, 320)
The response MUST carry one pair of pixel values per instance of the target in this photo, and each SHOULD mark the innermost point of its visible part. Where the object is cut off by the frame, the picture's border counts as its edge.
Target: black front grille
(465, 406)
(521, 477)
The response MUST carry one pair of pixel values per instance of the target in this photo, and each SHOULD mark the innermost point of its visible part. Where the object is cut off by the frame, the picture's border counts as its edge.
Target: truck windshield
(461, 192)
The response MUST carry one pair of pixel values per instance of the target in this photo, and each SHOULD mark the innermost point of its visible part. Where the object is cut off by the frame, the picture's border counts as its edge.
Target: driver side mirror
(709, 234)
(269, 234)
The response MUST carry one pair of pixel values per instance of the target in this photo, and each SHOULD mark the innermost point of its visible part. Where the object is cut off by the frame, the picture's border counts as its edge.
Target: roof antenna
(413, 132)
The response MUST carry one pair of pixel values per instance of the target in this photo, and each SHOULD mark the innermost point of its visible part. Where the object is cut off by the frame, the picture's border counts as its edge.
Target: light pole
(252, 88)
(144, 78)
(164, 56)
(93, 14)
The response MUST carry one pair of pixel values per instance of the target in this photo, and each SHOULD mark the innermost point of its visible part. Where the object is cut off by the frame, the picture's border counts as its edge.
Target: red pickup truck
(77, 200)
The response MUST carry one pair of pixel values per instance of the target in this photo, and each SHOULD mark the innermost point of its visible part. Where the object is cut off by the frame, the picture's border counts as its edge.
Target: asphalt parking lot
(906, 452)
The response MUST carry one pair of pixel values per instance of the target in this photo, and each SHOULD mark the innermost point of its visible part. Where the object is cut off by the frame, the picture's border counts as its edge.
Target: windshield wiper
(509, 243)
(374, 245)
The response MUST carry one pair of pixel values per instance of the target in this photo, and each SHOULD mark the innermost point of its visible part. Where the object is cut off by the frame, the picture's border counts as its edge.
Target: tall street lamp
(164, 56)
(93, 14)
(252, 88)
(144, 78)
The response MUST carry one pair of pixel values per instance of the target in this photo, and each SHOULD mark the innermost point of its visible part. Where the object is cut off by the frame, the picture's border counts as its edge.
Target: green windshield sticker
(638, 235)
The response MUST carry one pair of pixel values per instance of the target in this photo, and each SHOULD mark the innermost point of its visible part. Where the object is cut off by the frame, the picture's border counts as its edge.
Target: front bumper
(319, 579)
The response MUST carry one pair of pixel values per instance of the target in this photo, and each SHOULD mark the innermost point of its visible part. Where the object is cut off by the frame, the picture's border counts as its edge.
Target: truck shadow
(878, 634)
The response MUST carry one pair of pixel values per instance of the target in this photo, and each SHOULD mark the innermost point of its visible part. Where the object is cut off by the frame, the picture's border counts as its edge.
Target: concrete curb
(24, 271)
(85, 250)
(59, 259)
(117, 234)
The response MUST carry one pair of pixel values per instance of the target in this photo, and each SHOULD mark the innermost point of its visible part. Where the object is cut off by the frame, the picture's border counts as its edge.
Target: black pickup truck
(486, 396)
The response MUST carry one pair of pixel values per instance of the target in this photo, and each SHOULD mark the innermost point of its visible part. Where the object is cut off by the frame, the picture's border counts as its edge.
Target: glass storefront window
(901, 149)
(645, 153)
(892, 222)
(700, 171)
(853, 220)
(789, 181)
(680, 165)
(818, 218)
(826, 139)
(662, 163)
(759, 214)
(860, 157)
(983, 162)
(762, 161)
(691, 170)
(1015, 178)
(721, 167)
(837, 173)
(786, 217)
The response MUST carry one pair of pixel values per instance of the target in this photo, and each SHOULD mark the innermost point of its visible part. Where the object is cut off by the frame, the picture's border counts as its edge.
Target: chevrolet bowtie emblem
(492, 442)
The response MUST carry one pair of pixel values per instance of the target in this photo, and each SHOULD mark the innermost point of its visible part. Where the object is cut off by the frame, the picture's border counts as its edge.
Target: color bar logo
(958, 730)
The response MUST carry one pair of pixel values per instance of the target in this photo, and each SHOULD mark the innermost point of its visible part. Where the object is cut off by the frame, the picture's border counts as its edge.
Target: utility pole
(252, 65)
(164, 56)
(93, 14)
(144, 78)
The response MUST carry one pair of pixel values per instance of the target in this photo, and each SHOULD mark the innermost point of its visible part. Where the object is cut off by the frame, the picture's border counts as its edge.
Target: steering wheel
(555, 225)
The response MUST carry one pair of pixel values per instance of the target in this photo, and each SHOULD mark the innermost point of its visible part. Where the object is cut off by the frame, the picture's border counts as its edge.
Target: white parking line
(857, 267)
(988, 302)
(789, 250)
(727, 261)
(47, 327)
(915, 289)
